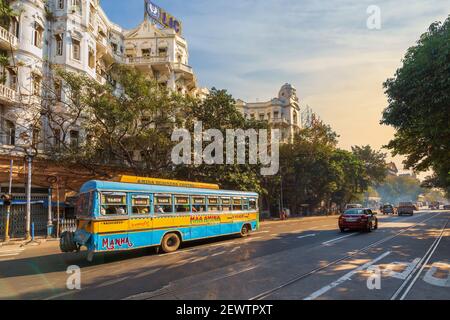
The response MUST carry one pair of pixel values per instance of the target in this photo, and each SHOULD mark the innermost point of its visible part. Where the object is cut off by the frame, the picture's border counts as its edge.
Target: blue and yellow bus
(143, 212)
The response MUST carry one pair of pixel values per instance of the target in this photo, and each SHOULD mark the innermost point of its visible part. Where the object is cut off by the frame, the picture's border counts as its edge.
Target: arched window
(10, 132)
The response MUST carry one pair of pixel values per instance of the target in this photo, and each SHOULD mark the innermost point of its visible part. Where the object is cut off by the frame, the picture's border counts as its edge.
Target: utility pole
(28, 210)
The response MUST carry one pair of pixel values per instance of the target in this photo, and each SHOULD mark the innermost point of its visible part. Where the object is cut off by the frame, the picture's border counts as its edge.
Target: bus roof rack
(166, 182)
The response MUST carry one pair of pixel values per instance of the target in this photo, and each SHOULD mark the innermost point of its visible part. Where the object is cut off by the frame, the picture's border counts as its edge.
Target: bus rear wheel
(170, 242)
(245, 231)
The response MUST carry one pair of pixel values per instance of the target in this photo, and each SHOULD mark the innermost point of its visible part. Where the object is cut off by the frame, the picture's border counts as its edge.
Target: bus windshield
(84, 205)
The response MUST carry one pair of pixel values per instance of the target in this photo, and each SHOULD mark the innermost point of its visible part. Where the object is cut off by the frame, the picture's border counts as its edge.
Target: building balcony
(7, 94)
(183, 67)
(147, 60)
(280, 121)
(7, 39)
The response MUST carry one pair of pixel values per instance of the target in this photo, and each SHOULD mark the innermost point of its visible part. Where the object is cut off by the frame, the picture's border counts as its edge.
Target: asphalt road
(406, 258)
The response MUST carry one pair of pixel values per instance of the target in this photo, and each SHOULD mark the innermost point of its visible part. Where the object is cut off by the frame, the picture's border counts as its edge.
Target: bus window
(163, 204)
(182, 204)
(114, 203)
(253, 204)
(237, 204)
(245, 204)
(213, 204)
(226, 204)
(198, 204)
(140, 204)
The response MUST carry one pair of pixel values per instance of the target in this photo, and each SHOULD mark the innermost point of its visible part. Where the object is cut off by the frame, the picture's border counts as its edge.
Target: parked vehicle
(358, 219)
(434, 205)
(406, 208)
(387, 209)
(447, 207)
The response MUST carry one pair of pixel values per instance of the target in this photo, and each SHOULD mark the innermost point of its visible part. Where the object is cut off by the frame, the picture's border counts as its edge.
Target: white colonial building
(78, 36)
(282, 112)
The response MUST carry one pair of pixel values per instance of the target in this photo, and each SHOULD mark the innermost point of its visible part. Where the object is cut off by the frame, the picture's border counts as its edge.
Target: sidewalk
(21, 241)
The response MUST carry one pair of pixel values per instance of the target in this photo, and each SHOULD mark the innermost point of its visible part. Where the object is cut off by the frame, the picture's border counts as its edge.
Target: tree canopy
(419, 105)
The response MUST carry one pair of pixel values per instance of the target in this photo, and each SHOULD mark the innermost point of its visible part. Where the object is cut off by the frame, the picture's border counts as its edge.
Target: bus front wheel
(170, 242)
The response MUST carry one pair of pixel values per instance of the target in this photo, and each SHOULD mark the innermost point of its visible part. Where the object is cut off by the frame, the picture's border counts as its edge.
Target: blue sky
(323, 48)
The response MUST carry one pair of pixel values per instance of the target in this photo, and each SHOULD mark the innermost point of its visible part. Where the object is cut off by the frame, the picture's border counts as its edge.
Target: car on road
(387, 209)
(447, 207)
(352, 206)
(434, 206)
(358, 219)
(406, 208)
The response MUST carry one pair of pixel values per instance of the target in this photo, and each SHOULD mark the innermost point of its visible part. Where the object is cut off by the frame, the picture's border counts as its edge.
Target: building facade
(282, 112)
(77, 36)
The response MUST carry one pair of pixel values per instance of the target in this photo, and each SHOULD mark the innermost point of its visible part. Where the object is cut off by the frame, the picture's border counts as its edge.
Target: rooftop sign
(162, 17)
(165, 182)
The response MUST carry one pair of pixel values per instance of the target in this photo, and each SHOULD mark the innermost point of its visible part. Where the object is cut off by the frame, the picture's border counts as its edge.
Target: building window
(61, 4)
(58, 89)
(295, 118)
(91, 61)
(15, 24)
(36, 136)
(74, 138)
(162, 52)
(76, 52)
(59, 44)
(76, 7)
(57, 139)
(261, 116)
(10, 133)
(146, 52)
(276, 115)
(38, 32)
(36, 84)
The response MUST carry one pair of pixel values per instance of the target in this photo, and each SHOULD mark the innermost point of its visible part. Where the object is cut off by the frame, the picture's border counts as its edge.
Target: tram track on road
(166, 290)
(305, 275)
(412, 278)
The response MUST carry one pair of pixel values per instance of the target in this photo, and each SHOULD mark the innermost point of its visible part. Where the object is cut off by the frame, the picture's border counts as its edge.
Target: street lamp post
(30, 154)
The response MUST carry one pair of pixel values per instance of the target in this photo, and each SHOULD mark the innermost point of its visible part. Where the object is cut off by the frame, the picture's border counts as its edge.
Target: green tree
(218, 111)
(419, 99)
(374, 164)
(128, 126)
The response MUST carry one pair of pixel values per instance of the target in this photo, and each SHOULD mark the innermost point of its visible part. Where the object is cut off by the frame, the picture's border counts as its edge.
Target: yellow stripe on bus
(165, 182)
(160, 222)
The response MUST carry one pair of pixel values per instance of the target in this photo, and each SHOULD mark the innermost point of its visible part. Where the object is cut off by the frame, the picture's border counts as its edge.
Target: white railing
(147, 59)
(7, 93)
(183, 67)
(7, 36)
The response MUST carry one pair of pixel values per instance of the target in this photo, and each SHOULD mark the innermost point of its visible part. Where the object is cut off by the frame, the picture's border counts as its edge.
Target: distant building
(392, 169)
(282, 112)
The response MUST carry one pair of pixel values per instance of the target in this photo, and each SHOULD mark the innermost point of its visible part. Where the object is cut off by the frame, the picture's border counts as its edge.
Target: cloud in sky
(323, 48)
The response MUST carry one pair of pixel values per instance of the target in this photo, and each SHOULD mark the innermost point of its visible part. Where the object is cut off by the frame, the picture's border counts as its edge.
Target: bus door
(199, 217)
(227, 226)
(140, 226)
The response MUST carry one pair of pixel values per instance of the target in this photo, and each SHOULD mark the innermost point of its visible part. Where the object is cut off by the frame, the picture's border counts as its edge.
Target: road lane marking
(111, 282)
(308, 235)
(336, 239)
(425, 259)
(199, 259)
(438, 268)
(345, 277)
(218, 253)
(146, 273)
(252, 238)
(235, 249)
